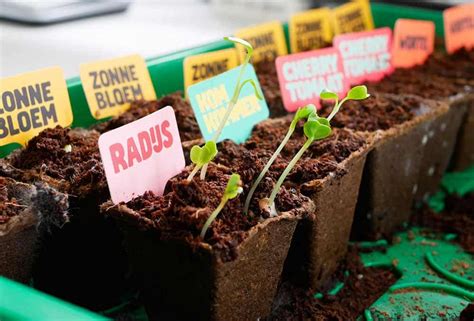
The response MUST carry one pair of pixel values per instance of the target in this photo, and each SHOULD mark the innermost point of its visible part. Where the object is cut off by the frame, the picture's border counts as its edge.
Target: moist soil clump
(457, 65)
(268, 79)
(9, 205)
(457, 217)
(182, 211)
(67, 159)
(378, 112)
(187, 124)
(362, 287)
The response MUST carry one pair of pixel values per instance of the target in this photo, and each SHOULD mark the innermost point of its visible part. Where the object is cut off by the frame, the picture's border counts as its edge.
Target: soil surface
(378, 112)
(185, 206)
(457, 217)
(442, 76)
(70, 156)
(458, 65)
(268, 79)
(187, 124)
(362, 287)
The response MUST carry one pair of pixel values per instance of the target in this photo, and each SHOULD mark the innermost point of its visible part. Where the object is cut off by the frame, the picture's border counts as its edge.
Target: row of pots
(394, 166)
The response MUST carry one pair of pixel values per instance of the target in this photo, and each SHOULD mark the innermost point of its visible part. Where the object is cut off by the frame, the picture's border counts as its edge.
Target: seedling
(201, 156)
(315, 128)
(301, 113)
(232, 189)
(235, 96)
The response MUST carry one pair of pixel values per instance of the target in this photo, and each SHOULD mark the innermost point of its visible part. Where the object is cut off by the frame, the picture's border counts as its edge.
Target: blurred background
(43, 33)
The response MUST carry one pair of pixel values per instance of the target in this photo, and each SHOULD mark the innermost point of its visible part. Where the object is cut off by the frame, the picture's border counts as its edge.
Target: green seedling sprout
(301, 113)
(201, 156)
(232, 189)
(235, 96)
(316, 128)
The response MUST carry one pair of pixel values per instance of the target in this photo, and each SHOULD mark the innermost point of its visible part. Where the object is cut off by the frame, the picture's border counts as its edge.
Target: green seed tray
(167, 76)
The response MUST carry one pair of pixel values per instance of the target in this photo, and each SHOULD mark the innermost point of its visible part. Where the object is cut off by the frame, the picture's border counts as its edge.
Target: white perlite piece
(431, 171)
(415, 189)
(424, 140)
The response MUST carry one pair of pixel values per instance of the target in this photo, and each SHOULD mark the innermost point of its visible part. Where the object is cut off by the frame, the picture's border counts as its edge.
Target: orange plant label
(459, 27)
(413, 42)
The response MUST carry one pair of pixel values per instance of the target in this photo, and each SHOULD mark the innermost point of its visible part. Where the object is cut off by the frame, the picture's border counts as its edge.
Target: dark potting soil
(378, 112)
(182, 211)
(468, 313)
(9, 205)
(187, 124)
(441, 76)
(268, 79)
(362, 287)
(70, 156)
(457, 217)
(459, 65)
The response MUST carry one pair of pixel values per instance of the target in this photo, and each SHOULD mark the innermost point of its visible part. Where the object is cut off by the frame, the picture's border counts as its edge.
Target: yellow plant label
(310, 30)
(268, 41)
(32, 102)
(353, 16)
(204, 66)
(111, 85)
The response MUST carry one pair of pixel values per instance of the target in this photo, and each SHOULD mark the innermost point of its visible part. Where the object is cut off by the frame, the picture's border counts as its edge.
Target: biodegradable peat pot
(442, 78)
(439, 144)
(18, 234)
(323, 238)
(186, 278)
(397, 125)
(81, 261)
(21, 216)
(464, 152)
(392, 172)
(329, 173)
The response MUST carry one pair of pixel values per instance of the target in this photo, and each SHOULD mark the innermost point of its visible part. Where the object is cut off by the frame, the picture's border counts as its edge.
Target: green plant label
(210, 99)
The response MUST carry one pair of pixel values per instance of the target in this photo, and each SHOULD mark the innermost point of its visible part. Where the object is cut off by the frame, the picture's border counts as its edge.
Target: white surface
(148, 28)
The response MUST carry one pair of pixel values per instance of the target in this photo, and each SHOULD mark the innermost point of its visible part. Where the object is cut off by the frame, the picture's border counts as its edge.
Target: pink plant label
(303, 76)
(142, 156)
(366, 56)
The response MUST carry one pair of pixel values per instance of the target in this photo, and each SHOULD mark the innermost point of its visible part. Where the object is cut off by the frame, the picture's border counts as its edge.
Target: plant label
(32, 102)
(354, 16)
(210, 99)
(204, 66)
(142, 156)
(268, 41)
(303, 76)
(413, 42)
(365, 55)
(459, 27)
(310, 30)
(111, 85)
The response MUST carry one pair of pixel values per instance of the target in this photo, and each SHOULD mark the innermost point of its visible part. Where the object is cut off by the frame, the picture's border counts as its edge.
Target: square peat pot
(392, 169)
(445, 132)
(18, 234)
(181, 281)
(80, 257)
(321, 240)
(464, 151)
(21, 219)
